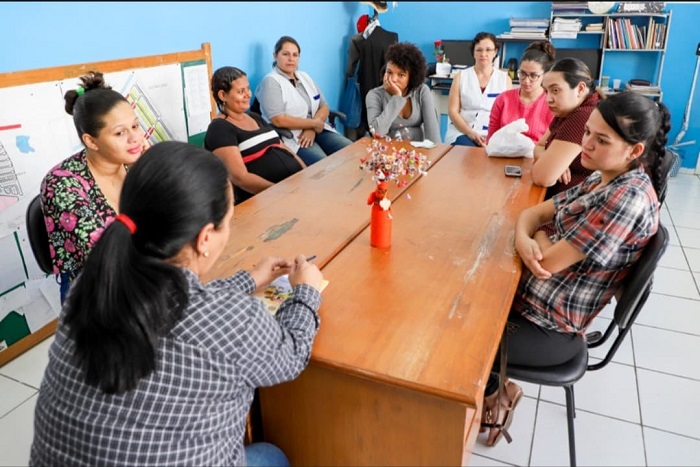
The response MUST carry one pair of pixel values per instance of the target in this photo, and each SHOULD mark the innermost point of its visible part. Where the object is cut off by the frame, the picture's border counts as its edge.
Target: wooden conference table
(408, 334)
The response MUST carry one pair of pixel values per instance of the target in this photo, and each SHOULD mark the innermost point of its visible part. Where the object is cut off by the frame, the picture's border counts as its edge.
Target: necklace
(112, 179)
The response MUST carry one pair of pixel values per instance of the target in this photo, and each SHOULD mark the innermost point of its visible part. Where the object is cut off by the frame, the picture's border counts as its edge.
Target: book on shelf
(277, 292)
(622, 34)
(529, 22)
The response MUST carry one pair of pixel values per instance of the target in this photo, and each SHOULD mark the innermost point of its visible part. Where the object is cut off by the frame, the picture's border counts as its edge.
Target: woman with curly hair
(403, 104)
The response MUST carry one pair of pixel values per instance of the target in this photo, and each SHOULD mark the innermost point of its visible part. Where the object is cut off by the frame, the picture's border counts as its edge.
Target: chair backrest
(38, 237)
(255, 106)
(635, 291)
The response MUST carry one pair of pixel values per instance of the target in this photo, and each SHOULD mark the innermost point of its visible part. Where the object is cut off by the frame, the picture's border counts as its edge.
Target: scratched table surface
(316, 211)
(427, 313)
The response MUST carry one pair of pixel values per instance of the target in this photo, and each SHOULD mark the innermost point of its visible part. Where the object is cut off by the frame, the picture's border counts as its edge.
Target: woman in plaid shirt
(601, 227)
(151, 366)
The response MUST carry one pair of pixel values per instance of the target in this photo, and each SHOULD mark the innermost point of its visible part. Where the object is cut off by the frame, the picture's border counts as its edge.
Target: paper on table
(426, 143)
(277, 292)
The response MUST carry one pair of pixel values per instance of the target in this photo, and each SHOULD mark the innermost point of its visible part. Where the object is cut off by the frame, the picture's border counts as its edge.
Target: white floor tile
(675, 282)
(599, 440)
(680, 203)
(16, 435)
(666, 217)
(530, 390)
(517, 452)
(672, 237)
(671, 313)
(29, 367)
(674, 258)
(693, 255)
(479, 461)
(689, 237)
(687, 219)
(669, 403)
(610, 391)
(665, 449)
(659, 350)
(13, 394)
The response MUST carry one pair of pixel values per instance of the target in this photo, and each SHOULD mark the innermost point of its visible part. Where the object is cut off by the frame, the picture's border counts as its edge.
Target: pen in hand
(311, 258)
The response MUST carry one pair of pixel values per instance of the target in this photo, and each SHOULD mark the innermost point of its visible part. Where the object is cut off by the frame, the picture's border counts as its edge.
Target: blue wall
(243, 34)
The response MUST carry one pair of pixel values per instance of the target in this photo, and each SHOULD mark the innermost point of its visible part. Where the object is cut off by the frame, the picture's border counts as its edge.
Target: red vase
(380, 223)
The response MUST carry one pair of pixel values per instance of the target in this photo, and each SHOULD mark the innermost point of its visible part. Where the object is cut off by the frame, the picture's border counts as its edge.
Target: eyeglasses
(531, 76)
(480, 50)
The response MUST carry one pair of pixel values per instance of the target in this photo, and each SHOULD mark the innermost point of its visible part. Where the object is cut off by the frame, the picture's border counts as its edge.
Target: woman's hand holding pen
(304, 272)
(268, 269)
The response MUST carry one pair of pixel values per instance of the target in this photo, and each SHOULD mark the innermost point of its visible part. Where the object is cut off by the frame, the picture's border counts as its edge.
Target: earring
(205, 254)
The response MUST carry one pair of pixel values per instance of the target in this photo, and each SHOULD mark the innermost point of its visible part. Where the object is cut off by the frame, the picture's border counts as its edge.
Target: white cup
(616, 84)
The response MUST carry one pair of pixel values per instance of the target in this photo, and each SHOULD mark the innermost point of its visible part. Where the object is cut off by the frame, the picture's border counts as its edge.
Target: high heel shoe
(498, 412)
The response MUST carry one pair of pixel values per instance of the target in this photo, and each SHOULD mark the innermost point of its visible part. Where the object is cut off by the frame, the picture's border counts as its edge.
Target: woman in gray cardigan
(404, 103)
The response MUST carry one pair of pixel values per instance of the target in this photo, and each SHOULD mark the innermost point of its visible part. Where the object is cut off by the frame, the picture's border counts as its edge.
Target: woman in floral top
(80, 196)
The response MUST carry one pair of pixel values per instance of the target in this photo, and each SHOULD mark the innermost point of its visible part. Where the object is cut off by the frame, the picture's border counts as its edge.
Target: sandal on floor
(498, 415)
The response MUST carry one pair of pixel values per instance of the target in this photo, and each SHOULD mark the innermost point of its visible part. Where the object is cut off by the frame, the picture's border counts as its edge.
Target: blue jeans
(464, 140)
(64, 284)
(265, 455)
(326, 143)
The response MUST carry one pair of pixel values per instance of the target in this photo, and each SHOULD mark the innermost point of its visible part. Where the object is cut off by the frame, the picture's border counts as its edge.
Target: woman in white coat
(473, 93)
(289, 98)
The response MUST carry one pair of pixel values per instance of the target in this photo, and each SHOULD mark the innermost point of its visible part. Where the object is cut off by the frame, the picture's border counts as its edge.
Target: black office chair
(631, 299)
(286, 133)
(38, 237)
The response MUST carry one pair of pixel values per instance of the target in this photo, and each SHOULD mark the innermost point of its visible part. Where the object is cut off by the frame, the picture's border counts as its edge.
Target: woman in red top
(571, 97)
(529, 100)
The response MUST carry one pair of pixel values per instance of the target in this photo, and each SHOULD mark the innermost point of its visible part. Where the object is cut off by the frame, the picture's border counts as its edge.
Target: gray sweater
(383, 114)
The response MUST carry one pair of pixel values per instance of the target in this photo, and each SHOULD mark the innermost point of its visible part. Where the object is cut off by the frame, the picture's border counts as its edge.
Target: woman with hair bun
(601, 227)
(152, 365)
(529, 100)
(80, 196)
(571, 96)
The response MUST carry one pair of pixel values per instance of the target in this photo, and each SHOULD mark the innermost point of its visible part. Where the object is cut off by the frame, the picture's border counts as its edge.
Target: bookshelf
(632, 45)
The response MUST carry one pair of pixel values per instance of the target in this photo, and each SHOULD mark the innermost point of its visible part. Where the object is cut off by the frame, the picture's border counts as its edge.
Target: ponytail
(655, 158)
(121, 303)
(129, 294)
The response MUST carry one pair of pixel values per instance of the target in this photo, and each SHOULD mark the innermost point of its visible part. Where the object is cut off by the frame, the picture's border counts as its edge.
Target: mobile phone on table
(513, 171)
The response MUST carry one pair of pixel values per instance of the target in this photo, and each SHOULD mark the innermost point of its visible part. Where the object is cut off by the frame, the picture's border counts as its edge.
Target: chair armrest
(283, 132)
(333, 114)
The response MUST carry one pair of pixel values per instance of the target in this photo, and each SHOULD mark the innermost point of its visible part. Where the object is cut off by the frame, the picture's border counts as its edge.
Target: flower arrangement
(387, 162)
(440, 53)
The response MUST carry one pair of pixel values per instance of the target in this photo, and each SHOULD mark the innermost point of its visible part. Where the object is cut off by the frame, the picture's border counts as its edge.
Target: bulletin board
(171, 96)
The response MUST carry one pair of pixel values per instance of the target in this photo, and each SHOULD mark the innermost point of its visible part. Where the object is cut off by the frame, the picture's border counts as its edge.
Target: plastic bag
(351, 103)
(510, 141)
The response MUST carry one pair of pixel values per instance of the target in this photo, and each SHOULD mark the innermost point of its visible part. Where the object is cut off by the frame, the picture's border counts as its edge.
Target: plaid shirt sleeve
(605, 225)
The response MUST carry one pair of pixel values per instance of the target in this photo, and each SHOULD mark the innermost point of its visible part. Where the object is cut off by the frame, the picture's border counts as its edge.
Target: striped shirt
(611, 226)
(191, 411)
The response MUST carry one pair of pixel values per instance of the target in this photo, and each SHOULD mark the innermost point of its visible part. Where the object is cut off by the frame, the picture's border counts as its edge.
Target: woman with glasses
(529, 100)
(473, 93)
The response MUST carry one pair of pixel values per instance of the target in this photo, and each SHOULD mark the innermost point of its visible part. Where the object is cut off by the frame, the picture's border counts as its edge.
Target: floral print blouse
(75, 211)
